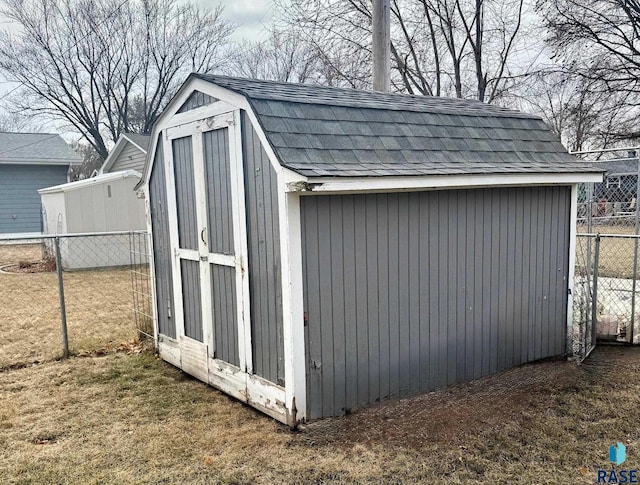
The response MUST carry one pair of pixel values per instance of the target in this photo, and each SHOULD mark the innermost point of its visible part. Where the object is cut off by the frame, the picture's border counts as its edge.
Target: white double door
(205, 177)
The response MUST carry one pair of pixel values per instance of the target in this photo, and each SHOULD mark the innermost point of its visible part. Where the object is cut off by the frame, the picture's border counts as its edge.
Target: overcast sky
(251, 16)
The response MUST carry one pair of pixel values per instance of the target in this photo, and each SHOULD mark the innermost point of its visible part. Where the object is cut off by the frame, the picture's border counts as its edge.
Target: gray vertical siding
(185, 193)
(409, 292)
(220, 224)
(225, 317)
(196, 100)
(218, 183)
(161, 245)
(20, 207)
(263, 235)
(191, 299)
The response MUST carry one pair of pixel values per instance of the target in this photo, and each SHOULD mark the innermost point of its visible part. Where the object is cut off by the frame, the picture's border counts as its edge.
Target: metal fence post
(594, 301)
(63, 310)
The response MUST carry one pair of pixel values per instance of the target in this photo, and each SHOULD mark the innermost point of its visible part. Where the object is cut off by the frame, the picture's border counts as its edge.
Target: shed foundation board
(409, 292)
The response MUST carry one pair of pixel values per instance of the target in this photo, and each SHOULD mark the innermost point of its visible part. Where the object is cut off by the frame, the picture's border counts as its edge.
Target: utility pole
(381, 45)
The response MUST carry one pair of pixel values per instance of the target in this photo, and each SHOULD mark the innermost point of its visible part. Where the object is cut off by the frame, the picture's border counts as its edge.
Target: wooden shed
(317, 250)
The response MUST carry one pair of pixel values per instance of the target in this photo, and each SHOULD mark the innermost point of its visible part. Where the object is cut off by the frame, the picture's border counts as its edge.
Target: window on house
(109, 191)
(613, 182)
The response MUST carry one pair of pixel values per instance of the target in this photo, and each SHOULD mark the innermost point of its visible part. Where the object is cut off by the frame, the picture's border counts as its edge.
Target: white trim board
(573, 229)
(333, 185)
(97, 180)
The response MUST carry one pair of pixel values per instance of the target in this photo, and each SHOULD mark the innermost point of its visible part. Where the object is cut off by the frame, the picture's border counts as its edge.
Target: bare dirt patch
(130, 418)
(450, 414)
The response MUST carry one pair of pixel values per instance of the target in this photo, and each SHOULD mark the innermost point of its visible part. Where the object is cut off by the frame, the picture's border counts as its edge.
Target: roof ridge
(441, 104)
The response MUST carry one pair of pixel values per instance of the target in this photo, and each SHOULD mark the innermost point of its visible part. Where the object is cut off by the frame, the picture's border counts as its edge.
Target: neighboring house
(620, 181)
(129, 153)
(100, 204)
(29, 162)
(317, 250)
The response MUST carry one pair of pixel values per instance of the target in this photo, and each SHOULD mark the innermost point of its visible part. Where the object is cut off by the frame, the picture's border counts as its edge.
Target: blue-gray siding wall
(263, 236)
(161, 246)
(409, 292)
(20, 207)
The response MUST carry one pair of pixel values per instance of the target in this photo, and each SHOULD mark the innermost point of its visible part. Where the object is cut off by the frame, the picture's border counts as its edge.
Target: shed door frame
(240, 381)
(202, 255)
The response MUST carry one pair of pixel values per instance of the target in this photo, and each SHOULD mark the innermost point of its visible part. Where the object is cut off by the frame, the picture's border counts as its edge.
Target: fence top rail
(620, 236)
(38, 237)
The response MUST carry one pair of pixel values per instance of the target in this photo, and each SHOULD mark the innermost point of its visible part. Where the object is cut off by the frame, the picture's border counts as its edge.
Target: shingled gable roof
(36, 148)
(332, 132)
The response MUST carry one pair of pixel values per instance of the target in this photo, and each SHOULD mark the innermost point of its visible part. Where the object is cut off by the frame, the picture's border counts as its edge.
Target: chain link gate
(606, 291)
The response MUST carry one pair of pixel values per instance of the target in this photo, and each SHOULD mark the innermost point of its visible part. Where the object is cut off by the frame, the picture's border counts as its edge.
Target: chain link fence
(607, 252)
(610, 207)
(78, 293)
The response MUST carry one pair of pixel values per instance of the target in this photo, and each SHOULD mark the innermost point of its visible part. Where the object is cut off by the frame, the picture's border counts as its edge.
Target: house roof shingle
(141, 140)
(327, 132)
(42, 148)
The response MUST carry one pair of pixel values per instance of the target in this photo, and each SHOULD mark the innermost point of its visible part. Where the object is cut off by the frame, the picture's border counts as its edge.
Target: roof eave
(79, 184)
(425, 182)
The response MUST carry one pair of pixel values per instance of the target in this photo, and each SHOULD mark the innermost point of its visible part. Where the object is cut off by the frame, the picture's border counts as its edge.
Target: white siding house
(129, 153)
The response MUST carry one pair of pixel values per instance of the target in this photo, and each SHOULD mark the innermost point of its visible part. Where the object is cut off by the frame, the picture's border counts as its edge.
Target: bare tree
(576, 112)
(598, 41)
(15, 122)
(91, 161)
(463, 48)
(282, 56)
(107, 66)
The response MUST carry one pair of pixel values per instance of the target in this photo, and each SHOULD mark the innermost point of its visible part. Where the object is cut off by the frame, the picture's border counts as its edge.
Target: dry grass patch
(99, 310)
(133, 419)
(616, 254)
(14, 253)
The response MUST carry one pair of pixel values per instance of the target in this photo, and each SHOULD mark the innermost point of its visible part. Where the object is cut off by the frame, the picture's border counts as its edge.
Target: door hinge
(306, 319)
